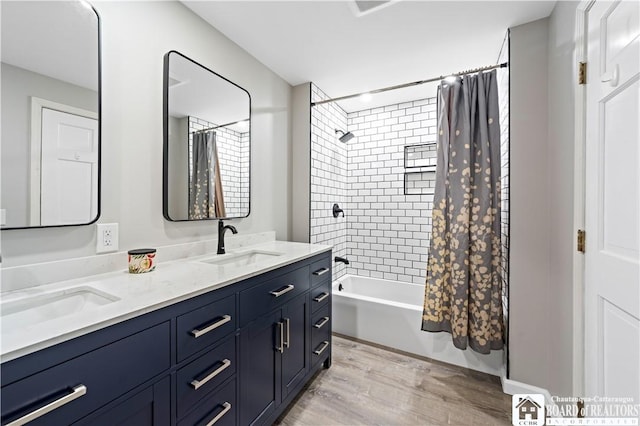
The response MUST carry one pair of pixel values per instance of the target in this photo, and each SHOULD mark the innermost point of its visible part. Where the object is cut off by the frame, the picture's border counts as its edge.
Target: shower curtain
(463, 288)
(206, 199)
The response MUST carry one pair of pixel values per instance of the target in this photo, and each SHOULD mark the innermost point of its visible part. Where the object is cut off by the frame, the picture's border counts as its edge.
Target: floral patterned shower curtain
(463, 289)
(206, 199)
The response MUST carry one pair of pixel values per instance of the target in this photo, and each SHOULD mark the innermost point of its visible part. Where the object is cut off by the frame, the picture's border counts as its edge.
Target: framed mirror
(207, 143)
(50, 163)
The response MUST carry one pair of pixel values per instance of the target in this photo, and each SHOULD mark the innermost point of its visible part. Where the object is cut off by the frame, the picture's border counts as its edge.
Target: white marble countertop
(169, 283)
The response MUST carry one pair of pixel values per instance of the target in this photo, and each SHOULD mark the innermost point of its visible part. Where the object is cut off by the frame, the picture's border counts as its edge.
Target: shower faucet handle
(337, 210)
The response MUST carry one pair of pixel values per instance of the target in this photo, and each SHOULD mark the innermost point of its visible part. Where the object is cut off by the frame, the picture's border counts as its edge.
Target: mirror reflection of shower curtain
(206, 197)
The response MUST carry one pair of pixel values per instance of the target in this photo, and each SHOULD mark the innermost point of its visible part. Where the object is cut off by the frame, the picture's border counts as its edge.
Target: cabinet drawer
(264, 297)
(320, 270)
(320, 296)
(218, 409)
(320, 334)
(83, 384)
(320, 326)
(204, 326)
(203, 375)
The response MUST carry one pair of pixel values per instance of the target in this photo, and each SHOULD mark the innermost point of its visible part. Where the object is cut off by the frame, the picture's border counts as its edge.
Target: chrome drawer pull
(321, 297)
(285, 290)
(226, 409)
(288, 324)
(321, 271)
(77, 392)
(325, 345)
(321, 323)
(280, 348)
(199, 383)
(197, 333)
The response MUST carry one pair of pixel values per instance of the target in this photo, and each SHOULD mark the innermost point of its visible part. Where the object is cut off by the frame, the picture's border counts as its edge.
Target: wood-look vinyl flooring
(369, 385)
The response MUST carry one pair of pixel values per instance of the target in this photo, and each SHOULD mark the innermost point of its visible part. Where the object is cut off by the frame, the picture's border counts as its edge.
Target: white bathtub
(389, 313)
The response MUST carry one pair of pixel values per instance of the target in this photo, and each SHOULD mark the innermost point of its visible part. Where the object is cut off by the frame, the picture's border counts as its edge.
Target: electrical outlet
(107, 237)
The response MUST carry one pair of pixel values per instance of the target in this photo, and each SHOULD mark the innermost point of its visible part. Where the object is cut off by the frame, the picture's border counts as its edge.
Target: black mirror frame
(165, 140)
(99, 194)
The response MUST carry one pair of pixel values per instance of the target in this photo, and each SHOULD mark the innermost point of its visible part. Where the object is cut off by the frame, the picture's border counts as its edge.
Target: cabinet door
(148, 407)
(260, 384)
(295, 357)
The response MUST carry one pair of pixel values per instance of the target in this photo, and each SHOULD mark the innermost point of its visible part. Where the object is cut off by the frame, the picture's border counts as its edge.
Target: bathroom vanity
(178, 348)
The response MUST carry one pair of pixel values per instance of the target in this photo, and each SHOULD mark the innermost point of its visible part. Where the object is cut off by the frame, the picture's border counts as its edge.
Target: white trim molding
(579, 198)
(512, 387)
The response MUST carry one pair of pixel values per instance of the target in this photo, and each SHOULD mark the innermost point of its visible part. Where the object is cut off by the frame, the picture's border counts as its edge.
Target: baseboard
(512, 387)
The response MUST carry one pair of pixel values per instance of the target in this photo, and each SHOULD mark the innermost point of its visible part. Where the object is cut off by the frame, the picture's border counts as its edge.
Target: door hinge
(581, 238)
(582, 73)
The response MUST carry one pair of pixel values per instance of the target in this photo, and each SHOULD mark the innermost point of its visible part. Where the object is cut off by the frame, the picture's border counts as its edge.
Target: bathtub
(389, 313)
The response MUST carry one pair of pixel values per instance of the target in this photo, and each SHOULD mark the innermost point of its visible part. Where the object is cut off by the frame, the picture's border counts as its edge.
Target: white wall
(562, 72)
(543, 84)
(530, 319)
(301, 162)
(135, 36)
(18, 85)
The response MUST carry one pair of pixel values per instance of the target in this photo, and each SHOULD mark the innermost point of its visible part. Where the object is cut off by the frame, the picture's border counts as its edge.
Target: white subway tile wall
(328, 177)
(417, 183)
(388, 231)
(233, 156)
(422, 155)
(384, 233)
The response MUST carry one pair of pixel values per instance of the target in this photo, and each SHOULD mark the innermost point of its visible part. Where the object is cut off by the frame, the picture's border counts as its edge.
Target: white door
(612, 306)
(69, 176)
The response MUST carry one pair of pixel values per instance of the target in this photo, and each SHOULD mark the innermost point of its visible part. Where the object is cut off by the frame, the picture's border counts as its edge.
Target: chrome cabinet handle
(76, 393)
(197, 333)
(199, 383)
(285, 290)
(227, 407)
(321, 297)
(287, 322)
(325, 345)
(321, 271)
(280, 347)
(321, 323)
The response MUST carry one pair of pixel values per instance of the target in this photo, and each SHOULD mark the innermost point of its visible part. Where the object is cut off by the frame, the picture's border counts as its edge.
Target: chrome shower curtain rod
(217, 127)
(415, 83)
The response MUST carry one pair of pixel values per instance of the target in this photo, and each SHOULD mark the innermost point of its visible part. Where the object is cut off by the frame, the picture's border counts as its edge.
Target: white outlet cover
(102, 245)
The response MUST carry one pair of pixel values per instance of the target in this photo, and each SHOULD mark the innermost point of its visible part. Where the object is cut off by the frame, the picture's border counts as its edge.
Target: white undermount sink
(241, 259)
(29, 310)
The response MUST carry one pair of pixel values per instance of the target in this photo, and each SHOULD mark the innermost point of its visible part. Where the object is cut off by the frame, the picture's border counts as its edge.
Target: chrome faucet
(221, 230)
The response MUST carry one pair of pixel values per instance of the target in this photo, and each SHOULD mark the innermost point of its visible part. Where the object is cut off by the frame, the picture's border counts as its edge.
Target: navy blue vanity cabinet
(151, 406)
(295, 351)
(276, 348)
(260, 369)
(80, 385)
(320, 316)
(237, 355)
(274, 359)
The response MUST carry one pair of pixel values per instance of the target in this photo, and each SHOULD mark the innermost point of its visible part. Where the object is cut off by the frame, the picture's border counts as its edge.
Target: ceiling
(345, 47)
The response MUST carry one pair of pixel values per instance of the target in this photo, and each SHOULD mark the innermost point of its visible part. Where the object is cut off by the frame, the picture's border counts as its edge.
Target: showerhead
(346, 137)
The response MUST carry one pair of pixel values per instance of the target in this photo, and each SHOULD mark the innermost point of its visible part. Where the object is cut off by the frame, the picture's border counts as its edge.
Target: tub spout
(341, 259)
